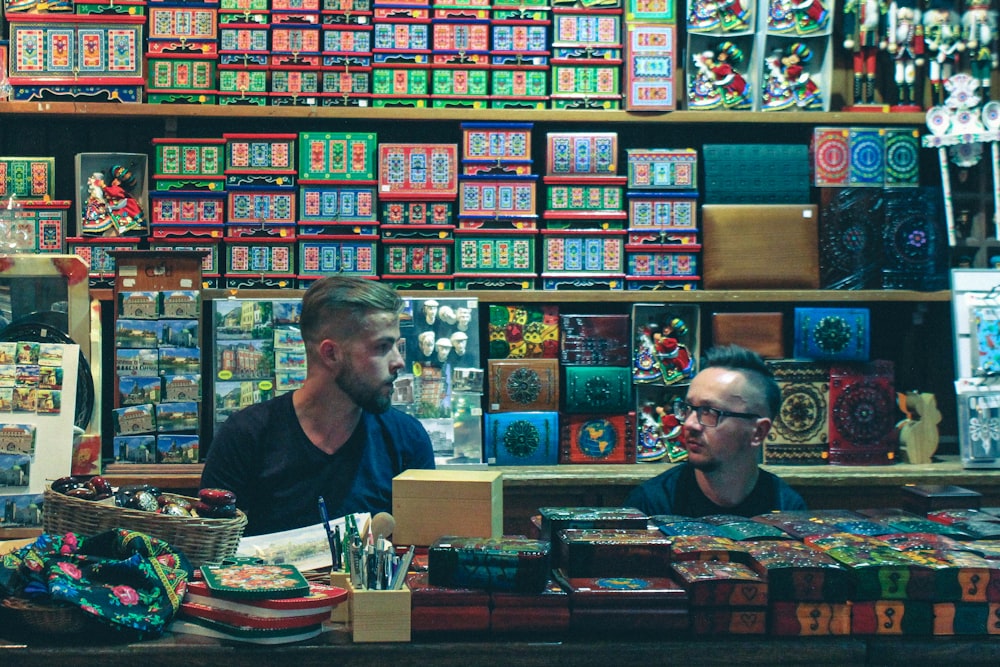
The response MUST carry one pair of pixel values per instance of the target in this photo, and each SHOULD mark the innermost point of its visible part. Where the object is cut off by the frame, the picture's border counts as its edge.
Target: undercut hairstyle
(335, 305)
(748, 362)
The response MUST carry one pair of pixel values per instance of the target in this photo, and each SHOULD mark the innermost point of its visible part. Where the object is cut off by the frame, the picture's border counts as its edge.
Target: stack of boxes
(338, 219)
(460, 52)
(587, 55)
(402, 47)
(260, 213)
(244, 51)
(519, 54)
(30, 220)
(88, 54)
(296, 45)
(597, 422)
(347, 53)
(187, 204)
(584, 234)
(495, 243)
(181, 53)
(662, 248)
(417, 188)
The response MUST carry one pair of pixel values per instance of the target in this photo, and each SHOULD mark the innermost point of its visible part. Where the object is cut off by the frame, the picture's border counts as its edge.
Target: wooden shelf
(639, 296)
(124, 111)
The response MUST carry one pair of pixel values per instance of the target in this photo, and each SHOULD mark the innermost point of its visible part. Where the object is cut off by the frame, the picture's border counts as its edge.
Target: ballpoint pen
(330, 537)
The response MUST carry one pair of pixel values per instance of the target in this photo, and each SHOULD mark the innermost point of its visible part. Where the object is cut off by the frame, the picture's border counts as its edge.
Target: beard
(370, 396)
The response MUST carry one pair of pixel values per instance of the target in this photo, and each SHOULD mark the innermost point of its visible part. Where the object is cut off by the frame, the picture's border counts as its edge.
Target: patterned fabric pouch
(125, 579)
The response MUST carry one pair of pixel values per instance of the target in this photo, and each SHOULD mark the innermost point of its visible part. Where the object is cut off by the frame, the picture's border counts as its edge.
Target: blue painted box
(832, 334)
(522, 438)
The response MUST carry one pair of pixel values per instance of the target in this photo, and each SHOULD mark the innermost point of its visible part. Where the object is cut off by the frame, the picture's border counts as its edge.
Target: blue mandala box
(522, 438)
(832, 334)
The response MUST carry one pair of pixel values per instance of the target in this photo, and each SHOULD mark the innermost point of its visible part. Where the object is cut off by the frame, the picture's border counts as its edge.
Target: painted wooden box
(460, 82)
(417, 257)
(258, 15)
(590, 197)
(592, 28)
(650, 67)
(254, 159)
(597, 390)
(398, 38)
(522, 438)
(523, 330)
(182, 209)
(347, 6)
(417, 213)
(583, 251)
(88, 56)
(260, 208)
(594, 80)
(244, 38)
(495, 251)
(497, 197)
(863, 414)
(517, 385)
(189, 164)
(337, 157)
(645, 262)
(520, 87)
(173, 79)
(347, 86)
(460, 38)
(418, 171)
(183, 29)
(659, 213)
(27, 177)
(347, 45)
(400, 83)
(597, 438)
(243, 85)
(582, 153)
(324, 255)
(800, 432)
(108, 7)
(521, 12)
(250, 256)
(293, 86)
(524, 38)
(211, 264)
(662, 168)
(291, 43)
(30, 227)
(97, 252)
(496, 143)
(321, 203)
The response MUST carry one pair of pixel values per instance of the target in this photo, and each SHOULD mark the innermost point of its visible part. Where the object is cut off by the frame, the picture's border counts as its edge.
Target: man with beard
(337, 436)
(726, 416)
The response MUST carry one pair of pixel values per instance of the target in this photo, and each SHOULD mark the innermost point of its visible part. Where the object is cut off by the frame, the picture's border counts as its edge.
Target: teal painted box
(337, 156)
(495, 251)
(522, 438)
(417, 257)
(322, 255)
(662, 168)
(597, 389)
(330, 203)
(583, 251)
(656, 211)
(841, 334)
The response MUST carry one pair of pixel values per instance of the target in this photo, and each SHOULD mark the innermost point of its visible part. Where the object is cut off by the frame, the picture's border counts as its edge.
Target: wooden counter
(527, 488)
(332, 649)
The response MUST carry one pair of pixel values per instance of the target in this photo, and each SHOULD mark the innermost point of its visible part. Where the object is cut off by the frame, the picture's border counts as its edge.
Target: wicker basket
(201, 540)
(49, 617)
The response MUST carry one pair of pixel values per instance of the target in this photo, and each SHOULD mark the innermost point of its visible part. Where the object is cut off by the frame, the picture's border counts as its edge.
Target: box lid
(445, 484)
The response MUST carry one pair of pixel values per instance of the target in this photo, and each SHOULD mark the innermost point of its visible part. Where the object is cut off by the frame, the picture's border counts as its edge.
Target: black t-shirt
(676, 491)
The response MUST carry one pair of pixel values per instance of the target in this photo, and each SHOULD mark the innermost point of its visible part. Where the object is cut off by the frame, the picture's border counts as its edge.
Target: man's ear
(760, 431)
(329, 351)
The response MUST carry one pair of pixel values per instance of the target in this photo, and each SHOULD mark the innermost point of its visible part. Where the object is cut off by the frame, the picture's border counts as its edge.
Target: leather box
(517, 613)
(437, 609)
(618, 605)
(555, 519)
(832, 334)
(716, 584)
(522, 438)
(748, 246)
(761, 332)
(505, 563)
(518, 385)
(597, 439)
(597, 389)
(800, 431)
(613, 553)
(863, 414)
(923, 499)
(595, 340)
(809, 619)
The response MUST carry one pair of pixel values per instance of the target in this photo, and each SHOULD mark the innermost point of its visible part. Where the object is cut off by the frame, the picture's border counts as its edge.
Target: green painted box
(520, 82)
(461, 82)
(166, 74)
(337, 156)
(400, 82)
(597, 389)
(495, 250)
(242, 80)
(578, 197)
(27, 177)
(578, 80)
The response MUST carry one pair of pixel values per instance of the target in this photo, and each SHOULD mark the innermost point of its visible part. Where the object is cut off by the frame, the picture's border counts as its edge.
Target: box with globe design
(597, 439)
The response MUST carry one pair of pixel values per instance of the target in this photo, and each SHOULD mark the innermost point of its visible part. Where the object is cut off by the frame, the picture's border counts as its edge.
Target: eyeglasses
(708, 416)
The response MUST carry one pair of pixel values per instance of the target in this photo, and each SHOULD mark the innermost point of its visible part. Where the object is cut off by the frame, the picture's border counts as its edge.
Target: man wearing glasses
(726, 416)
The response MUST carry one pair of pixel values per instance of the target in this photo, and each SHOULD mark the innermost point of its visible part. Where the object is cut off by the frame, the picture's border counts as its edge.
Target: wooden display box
(430, 503)
(380, 616)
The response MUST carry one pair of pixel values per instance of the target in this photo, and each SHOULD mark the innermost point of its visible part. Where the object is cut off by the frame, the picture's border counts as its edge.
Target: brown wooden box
(761, 332)
(430, 503)
(380, 616)
(524, 385)
(751, 246)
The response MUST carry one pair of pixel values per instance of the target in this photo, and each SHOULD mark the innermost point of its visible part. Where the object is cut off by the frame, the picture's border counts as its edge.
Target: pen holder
(342, 612)
(380, 616)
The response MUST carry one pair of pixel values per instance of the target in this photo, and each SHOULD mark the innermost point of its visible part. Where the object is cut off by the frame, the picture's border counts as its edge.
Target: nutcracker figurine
(979, 30)
(943, 43)
(864, 30)
(905, 44)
